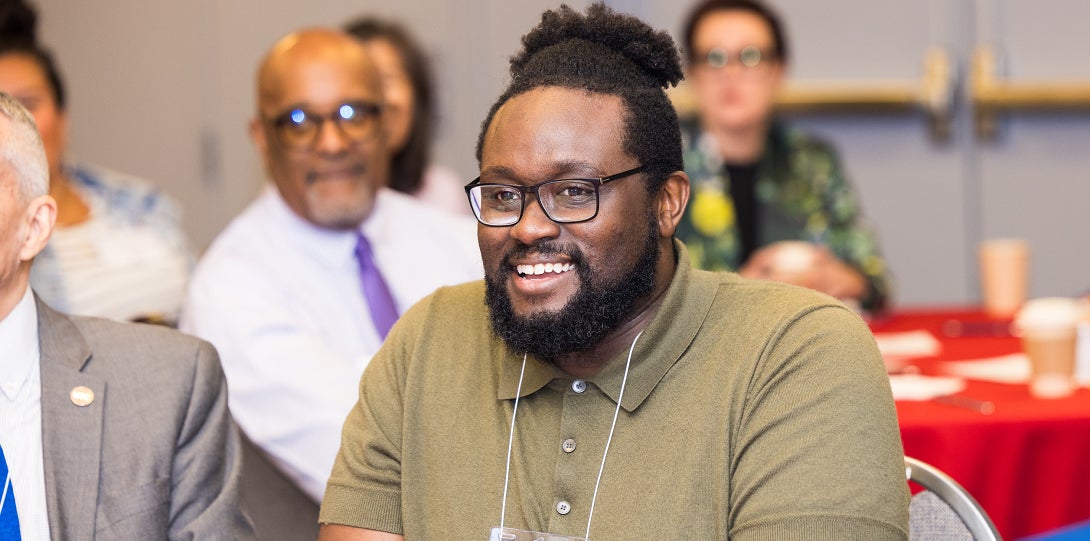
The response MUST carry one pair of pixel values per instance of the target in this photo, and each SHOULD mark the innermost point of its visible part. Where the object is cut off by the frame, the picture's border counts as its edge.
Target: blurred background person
(118, 250)
(769, 201)
(410, 113)
(298, 293)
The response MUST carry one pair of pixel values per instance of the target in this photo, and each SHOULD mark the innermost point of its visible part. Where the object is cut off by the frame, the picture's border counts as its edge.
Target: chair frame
(959, 499)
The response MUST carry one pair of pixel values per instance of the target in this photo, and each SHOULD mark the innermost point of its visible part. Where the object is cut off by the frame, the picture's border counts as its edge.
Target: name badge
(511, 534)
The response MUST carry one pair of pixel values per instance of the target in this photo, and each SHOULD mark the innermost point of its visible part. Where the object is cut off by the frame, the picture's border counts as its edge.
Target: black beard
(595, 311)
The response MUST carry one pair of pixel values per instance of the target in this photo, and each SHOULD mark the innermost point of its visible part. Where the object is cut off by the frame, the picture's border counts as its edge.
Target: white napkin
(907, 344)
(1013, 368)
(917, 387)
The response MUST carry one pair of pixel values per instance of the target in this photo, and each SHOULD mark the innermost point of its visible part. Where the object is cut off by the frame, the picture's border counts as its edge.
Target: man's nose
(331, 138)
(534, 224)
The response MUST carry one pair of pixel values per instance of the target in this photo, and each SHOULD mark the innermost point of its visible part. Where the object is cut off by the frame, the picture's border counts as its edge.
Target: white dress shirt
(21, 416)
(281, 300)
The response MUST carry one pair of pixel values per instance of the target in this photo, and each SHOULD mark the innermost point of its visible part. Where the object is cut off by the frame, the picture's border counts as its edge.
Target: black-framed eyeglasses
(749, 56)
(299, 128)
(564, 200)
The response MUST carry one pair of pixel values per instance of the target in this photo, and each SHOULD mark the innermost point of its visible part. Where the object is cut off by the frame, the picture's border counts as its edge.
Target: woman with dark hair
(410, 113)
(118, 250)
(769, 201)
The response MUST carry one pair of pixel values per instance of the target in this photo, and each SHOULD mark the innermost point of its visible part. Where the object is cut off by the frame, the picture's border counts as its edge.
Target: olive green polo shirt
(752, 410)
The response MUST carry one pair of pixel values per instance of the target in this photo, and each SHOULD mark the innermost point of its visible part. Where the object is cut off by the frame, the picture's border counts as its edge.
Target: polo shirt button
(563, 507)
(568, 446)
(579, 386)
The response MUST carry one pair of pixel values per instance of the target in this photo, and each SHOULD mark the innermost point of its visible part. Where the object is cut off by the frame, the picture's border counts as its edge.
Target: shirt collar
(334, 247)
(19, 334)
(685, 306)
(538, 374)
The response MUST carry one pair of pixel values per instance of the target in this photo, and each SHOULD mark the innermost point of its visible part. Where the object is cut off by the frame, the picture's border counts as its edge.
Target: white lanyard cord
(4, 497)
(620, 395)
(510, 442)
(511, 437)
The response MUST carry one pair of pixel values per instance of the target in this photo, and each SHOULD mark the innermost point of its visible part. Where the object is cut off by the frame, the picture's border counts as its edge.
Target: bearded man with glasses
(595, 385)
(300, 290)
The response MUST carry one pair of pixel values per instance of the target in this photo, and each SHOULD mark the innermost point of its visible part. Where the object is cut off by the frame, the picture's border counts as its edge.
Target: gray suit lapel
(71, 434)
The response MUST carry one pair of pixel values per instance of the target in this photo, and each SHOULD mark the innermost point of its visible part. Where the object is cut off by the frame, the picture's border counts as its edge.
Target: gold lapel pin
(82, 396)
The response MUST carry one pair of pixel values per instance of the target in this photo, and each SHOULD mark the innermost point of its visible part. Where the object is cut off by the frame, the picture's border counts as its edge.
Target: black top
(743, 182)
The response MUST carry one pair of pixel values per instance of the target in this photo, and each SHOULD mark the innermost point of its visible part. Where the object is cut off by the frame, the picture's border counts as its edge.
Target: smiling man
(595, 386)
(299, 291)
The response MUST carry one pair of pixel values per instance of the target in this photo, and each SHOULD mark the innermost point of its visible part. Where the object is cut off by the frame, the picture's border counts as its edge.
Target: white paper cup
(1004, 275)
(1048, 330)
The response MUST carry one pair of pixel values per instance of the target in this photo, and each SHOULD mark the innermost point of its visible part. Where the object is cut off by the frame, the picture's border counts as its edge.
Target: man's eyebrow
(285, 109)
(561, 169)
(309, 108)
(497, 171)
(569, 168)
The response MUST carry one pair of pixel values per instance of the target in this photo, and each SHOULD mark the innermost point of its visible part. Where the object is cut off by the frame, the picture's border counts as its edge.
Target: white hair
(21, 148)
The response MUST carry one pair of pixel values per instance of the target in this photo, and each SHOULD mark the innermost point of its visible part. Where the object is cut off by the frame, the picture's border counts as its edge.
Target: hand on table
(807, 265)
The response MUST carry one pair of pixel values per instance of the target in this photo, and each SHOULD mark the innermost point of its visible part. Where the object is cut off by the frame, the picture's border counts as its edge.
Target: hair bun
(652, 52)
(18, 23)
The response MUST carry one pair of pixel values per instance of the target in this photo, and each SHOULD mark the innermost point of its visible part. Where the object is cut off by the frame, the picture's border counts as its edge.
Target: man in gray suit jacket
(107, 430)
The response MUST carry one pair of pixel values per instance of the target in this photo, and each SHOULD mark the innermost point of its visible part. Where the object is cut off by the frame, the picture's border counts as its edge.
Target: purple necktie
(379, 300)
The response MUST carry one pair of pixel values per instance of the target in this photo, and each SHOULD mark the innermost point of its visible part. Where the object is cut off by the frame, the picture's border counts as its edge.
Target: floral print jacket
(802, 194)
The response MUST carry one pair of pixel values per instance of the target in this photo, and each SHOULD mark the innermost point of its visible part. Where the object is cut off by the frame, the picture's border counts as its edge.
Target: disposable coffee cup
(1082, 347)
(1004, 275)
(1048, 330)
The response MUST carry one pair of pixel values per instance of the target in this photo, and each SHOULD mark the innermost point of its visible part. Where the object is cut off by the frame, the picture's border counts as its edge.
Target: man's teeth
(542, 268)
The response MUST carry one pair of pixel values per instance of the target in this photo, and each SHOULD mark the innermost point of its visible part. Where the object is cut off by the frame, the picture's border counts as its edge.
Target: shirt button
(568, 445)
(579, 386)
(563, 507)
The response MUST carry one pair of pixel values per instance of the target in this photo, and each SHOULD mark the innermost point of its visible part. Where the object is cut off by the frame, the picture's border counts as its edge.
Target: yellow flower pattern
(712, 211)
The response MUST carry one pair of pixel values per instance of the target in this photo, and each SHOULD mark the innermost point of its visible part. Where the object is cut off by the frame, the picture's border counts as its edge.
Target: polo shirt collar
(538, 374)
(684, 308)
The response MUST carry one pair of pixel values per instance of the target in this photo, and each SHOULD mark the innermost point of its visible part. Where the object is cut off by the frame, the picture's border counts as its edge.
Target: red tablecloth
(1028, 463)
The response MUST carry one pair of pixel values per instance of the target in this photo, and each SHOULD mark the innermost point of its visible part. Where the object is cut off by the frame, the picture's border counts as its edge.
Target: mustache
(546, 247)
(355, 169)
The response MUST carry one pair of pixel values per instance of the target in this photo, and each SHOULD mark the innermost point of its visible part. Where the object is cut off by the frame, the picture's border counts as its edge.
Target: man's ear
(671, 201)
(41, 214)
(257, 135)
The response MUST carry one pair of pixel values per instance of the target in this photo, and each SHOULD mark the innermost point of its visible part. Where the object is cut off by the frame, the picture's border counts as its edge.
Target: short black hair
(609, 53)
(18, 35)
(707, 7)
(409, 162)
